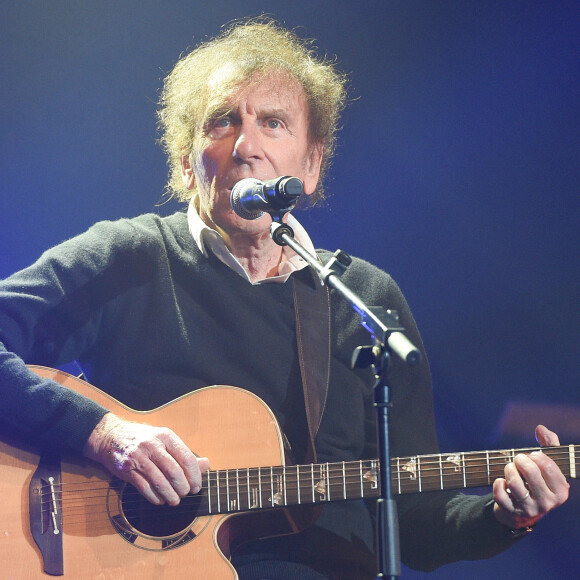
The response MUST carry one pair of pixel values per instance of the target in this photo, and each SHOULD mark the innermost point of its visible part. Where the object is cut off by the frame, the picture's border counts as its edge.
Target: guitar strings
(341, 477)
(339, 471)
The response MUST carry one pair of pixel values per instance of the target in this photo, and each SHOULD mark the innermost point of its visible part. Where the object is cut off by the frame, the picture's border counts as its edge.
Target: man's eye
(222, 122)
(217, 127)
(273, 124)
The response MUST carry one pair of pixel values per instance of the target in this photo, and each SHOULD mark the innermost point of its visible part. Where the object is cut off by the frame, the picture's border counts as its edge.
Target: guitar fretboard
(238, 490)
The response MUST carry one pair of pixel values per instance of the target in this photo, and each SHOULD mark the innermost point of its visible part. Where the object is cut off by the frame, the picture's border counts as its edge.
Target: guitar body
(231, 426)
(71, 518)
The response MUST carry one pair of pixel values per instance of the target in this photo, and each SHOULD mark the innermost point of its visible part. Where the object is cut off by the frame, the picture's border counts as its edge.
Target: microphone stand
(387, 336)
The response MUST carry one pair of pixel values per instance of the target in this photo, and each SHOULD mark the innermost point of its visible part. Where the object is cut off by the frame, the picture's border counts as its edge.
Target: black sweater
(149, 318)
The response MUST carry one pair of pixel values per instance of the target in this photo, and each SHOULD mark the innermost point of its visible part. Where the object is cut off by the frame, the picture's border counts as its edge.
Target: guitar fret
(209, 492)
(399, 475)
(217, 484)
(315, 483)
(451, 466)
(572, 452)
(224, 492)
(498, 467)
(238, 489)
(409, 467)
(487, 468)
(215, 494)
(278, 490)
(419, 482)
(351, 482)
(298, 483)
(225, 489)
(440, 471)
(320, 485)
(285, 480)
(330, 480)
(339, 486)
(372, 477)
(254, 488)
(464, 470)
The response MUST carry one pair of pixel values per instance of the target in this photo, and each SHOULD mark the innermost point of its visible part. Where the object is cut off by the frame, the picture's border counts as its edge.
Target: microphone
(252, 198)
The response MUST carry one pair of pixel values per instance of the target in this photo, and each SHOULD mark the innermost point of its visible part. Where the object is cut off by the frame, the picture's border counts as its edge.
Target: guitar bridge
(45, 511)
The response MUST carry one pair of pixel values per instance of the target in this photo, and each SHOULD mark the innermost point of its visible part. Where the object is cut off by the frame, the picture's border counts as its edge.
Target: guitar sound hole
(161, 521)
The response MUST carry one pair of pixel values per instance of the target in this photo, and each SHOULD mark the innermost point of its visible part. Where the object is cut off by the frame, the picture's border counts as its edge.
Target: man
(153, 308)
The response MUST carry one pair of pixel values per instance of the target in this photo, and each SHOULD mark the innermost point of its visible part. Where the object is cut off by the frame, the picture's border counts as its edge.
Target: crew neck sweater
(149, 318)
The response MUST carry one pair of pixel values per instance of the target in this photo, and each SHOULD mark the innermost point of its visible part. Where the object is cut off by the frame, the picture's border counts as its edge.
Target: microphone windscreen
(242, 191)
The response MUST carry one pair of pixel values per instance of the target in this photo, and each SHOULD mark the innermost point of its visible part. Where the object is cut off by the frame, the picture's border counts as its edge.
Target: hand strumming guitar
(153, 459)
(532, 486)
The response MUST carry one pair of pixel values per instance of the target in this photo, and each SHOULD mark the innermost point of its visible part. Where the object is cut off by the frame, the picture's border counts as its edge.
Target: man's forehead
(275, 88)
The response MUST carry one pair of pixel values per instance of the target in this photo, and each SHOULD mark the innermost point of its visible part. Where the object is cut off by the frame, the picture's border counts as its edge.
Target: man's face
(261, 132)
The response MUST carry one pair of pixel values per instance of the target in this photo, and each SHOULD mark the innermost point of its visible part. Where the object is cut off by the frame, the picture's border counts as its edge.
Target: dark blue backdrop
(458, 172)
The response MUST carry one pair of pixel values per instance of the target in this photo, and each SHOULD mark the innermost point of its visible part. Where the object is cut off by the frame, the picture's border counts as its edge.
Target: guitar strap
(312, 317)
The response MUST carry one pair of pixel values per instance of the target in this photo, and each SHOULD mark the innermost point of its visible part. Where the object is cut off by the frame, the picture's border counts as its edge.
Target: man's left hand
(532, 486)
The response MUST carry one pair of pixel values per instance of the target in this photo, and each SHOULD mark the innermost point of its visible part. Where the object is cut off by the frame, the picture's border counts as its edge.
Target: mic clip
(278, 229)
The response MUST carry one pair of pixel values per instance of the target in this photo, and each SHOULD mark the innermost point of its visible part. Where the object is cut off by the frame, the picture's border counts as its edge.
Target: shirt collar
(208, 239)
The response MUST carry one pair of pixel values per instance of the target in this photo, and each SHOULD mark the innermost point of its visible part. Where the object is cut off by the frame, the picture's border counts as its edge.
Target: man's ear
(312, 169)
(187, 172)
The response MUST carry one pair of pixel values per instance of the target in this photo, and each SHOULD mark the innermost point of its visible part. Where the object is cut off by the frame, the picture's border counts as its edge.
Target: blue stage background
(458, 171)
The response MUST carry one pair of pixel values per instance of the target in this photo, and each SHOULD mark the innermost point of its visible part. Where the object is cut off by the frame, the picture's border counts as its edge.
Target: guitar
(70, 517)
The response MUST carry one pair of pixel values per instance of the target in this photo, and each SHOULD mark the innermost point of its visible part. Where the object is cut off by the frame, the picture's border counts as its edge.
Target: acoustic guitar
(70, 517)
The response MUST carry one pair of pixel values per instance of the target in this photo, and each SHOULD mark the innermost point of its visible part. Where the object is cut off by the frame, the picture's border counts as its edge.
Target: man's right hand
(153, 459)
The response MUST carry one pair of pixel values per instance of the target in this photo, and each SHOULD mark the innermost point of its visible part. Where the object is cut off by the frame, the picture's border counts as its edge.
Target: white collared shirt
(207, 238)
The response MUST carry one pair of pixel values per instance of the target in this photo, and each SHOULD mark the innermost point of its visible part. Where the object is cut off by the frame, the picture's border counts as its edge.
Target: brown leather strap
(312, 316)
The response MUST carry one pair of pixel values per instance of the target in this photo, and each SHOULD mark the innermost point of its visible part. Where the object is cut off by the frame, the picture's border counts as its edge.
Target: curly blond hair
(245, 52)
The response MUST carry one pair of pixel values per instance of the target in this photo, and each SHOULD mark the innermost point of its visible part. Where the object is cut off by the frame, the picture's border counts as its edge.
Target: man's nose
(248, 145)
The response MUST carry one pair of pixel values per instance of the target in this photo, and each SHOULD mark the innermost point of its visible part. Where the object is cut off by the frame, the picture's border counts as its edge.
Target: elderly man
(153, 308)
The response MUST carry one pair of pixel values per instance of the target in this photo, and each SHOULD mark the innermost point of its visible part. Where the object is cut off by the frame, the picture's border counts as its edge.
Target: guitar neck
(239, 490)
